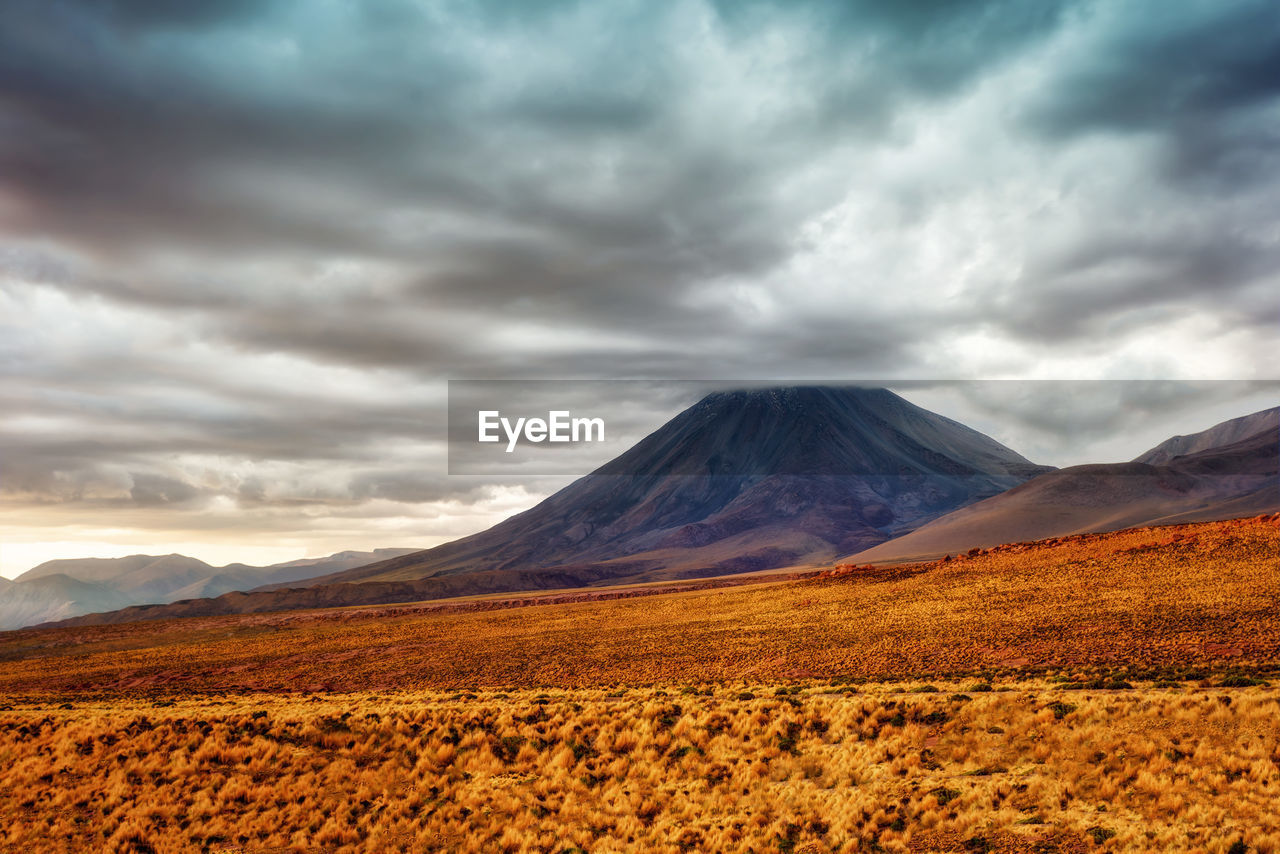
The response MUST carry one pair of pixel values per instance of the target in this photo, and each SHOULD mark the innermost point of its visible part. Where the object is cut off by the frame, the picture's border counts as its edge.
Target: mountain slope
(1226, 433)
(54, 597)
(139, 578)
(1236, 480)
(788, 475)
(112, 569)
(240, 577)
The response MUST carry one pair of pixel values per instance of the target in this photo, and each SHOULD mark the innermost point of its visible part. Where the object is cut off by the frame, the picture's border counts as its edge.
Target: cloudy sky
(244, 245)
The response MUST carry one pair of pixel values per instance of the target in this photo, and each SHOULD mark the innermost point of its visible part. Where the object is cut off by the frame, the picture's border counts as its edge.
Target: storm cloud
(244, 245)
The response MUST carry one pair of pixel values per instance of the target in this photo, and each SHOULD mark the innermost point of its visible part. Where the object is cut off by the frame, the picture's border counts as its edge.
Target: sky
(244, 246)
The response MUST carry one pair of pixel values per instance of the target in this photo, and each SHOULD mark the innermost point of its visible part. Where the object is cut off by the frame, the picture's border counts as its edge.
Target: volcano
(743, 480)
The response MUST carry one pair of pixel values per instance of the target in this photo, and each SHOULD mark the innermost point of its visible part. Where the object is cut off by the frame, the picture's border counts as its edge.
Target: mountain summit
(742, 480)
(816, 430)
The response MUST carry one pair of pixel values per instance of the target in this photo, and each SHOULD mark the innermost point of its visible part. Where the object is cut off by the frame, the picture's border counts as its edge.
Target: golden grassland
(1155, 598)
(1105, 692)
(806, 767)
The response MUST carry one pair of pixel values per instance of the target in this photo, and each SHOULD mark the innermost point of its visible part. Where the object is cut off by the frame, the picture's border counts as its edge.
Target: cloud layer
(244, 244)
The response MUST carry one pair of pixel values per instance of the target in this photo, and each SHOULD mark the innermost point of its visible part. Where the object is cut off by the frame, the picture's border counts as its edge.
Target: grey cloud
(1203, 84)
(311, 430)
(1100, 407)
(574, 190)
(373, 336)
(137, 145)
(1225, 155)
(931, 47)
(132, 136)
(423, 487)
(1127, 281)
(150, 489)
(1067, 422)
(1160, 70)
(178, 13)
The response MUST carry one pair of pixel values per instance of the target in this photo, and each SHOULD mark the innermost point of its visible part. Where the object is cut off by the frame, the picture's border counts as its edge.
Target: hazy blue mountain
(142, 577)
(59, 589)
(53, 597)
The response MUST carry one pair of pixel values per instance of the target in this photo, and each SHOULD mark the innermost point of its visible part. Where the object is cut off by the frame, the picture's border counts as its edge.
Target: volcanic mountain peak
(751, 478)
(815, 430)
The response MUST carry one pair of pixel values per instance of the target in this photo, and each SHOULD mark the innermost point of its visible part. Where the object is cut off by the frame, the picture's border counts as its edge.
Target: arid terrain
(805, 766)
(1102, 692)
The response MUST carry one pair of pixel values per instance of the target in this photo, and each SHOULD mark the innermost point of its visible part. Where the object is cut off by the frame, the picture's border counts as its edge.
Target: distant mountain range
(762, 479)
(59, 589)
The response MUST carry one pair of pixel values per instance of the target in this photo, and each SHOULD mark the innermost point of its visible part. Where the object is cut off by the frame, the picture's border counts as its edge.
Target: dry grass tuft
(650, 769)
